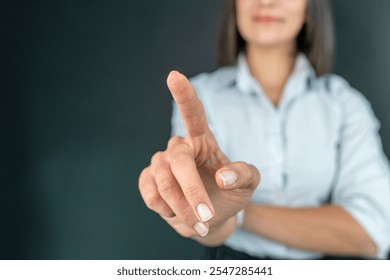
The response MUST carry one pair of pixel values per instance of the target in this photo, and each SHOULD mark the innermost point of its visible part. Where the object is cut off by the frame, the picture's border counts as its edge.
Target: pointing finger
(189, 104)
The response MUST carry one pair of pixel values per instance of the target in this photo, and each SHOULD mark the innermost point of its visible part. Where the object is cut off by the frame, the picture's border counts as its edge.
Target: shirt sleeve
(363, 185)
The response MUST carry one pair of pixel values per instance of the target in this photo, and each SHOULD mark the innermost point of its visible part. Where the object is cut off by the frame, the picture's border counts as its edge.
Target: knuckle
(244, 171)
(178, 145)
(152, 201)
(156, 158)
(175, 140)
(248, 174)
(165, 184)
(143, 178)
(187, 215)
(191, 192)
(178, 160)
(143, 174)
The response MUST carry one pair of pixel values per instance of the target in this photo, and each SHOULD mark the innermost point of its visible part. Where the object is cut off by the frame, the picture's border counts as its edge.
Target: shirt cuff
(372, 227)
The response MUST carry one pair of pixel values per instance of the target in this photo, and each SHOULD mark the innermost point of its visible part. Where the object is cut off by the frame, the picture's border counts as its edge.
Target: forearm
(328, 229)
(217, 235)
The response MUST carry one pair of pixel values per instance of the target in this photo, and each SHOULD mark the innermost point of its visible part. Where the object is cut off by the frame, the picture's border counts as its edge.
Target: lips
(266, 19)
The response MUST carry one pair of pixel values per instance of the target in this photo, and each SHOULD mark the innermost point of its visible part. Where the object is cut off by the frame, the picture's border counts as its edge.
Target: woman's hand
(192, 184)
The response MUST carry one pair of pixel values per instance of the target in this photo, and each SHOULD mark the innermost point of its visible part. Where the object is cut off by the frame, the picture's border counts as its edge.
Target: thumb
(238, 175)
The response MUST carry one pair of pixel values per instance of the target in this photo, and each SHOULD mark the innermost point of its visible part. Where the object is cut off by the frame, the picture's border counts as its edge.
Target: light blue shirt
(320, 145)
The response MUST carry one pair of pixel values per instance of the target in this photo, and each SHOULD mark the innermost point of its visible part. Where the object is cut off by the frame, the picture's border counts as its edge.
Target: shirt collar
(299, 81)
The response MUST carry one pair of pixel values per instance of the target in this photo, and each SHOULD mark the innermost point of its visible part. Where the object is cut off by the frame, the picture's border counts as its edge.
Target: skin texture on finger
(151, 196)
(184, 169)
(170, 191)
(188, 103)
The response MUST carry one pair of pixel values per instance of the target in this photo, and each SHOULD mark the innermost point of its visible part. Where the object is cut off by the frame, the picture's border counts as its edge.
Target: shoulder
(216, 80)
(352, 102)
(341, 91)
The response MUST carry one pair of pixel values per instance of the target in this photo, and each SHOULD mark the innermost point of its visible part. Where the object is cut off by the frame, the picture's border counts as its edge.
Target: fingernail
(201, 228)
(204, 212)
(228, 177)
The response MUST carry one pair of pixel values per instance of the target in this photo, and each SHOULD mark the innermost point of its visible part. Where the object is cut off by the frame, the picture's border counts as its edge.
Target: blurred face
(270, 22)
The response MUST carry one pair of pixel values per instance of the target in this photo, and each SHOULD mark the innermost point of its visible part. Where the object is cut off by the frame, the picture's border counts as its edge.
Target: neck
(271, 67)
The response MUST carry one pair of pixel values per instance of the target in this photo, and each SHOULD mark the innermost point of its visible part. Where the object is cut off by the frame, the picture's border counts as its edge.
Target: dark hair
(316, 38)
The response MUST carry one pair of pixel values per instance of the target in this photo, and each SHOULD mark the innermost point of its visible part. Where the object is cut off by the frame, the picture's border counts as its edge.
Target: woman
(272, 108)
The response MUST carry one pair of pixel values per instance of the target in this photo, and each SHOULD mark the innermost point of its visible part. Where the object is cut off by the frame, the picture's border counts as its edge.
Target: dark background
(84, 106)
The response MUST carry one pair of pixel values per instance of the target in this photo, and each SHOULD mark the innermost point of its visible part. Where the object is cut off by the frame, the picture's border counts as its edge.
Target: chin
(271, 40)
(269, 43)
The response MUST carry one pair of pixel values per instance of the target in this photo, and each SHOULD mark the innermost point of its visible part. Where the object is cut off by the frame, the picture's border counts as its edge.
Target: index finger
(189, 104)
